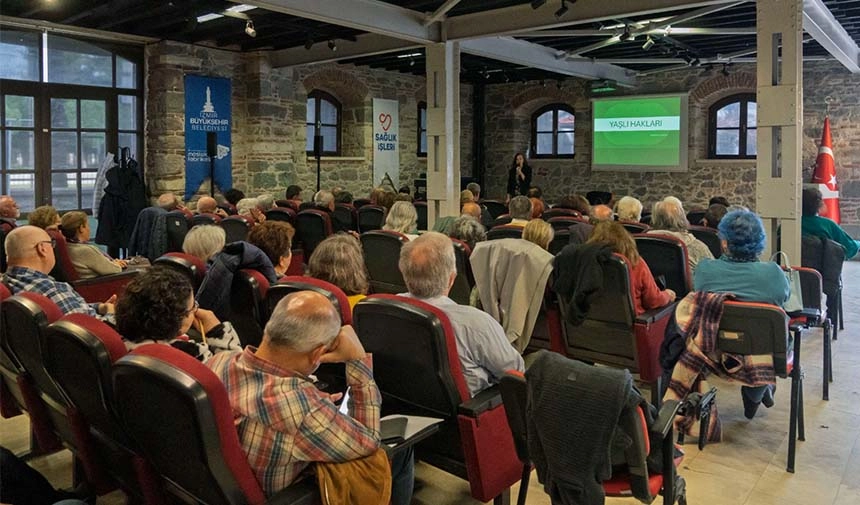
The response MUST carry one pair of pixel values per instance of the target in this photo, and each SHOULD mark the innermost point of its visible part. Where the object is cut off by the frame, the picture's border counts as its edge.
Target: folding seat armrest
(487, 399)
(654, 315)
(99, 289)
(808, 312)
(304, 492)
(665, 417)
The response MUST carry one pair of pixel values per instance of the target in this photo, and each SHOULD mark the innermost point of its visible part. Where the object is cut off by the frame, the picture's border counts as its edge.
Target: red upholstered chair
(236, 227)
(11, 399)
(666, 256)
(177, 223)
(247, 310)
(495, 207)
(297, 260)
(285, 214)
(564, 222)
(93, 290)
(559, 212)
(80, 352)
(295, 283)
(381, 255)
(635, 227)
(312, 227)
(201, 219)
(514, 391)
(186, 264)
(612, 334)
(417, 369)
(370, 217)
(178, 412)
(505, 231)
(710, 238)
(465, 281)
(761, 328)
(347, 215)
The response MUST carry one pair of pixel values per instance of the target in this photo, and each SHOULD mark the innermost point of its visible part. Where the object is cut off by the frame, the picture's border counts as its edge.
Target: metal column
(780, 117)
(443, 131)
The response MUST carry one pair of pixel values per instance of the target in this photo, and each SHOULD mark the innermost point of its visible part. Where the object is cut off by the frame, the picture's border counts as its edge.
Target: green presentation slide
(640, 131)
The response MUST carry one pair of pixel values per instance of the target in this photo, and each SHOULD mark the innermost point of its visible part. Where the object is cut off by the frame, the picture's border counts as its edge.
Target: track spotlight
(696, 62)
(309, 43)
(506, 76)
(625, 35)
(687, 58)
(537, 4)
(562, 10)
(249, 29)
(725, 70)
(411, 62)
(649, 43)
(332, 45)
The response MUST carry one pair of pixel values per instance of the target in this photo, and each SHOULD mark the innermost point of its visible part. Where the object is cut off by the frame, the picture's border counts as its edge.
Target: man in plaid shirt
(30, 256)
(284, 421)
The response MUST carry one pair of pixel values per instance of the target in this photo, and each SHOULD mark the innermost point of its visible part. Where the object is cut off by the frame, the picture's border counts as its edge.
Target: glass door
(78, 137)
(18, 152)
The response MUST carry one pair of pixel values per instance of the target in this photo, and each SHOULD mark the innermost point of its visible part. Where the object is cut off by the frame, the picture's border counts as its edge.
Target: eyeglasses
(193, 309)
(53, 242)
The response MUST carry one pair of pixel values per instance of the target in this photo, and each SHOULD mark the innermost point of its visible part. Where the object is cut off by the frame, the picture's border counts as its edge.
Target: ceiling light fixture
(625, 35)
(649, 43)
(309, 43)
(562, 10)
(249, 29)
(332, 45)
(725, 70)
(208, 17)
(537, 4)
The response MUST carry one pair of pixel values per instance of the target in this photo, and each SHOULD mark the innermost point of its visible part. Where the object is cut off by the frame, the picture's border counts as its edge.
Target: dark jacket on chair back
(214, 292)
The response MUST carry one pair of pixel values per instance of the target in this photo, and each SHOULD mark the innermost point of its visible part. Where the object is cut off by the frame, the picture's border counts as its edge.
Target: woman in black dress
(519, 176)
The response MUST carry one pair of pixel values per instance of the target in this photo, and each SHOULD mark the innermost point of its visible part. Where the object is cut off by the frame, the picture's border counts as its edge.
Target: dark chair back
(635, 227)
(236, 228)
(465, 281)
(505, 231)
(370, 217)
(502, 220)
(201, 219)
(293, 284)
(11, 399)
(559, 240)
(827, 257)
(346, 215)
(598, 197)
(756, 328)
(495, 207)
(559, 212)
(381, 256)
(666, 257)
(360, 202)
(2, 251)
(291, 204)
(694, 217)
(710, 238)
(284, 214)
(312, 227)
(579, 231)
(564, 222)
(177, 228)
(646, 218)
(421, 209)
(247, 309)
(190, 266)
(229, 208)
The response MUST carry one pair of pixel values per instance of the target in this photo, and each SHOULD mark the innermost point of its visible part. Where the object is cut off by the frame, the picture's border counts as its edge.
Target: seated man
(284, 421)
(669, 218)
(601, 213)
(813, 224)
(471, 209)
(208, 205)
(30, 257)
(294, 193)
(9, 213)
(520, 209)
(324, 201)
(429, 269)
(169, 202)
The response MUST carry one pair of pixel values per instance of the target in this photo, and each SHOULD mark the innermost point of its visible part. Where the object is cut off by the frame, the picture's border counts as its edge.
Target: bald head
(168, 201)
(472, 209)
(9, 208)
(206, 205)
(302, 322)
(601, 213)
(428, 265)
(30, 247)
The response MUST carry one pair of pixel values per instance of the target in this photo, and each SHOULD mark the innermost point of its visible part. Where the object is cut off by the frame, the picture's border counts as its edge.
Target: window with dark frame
(553, 131)
(64, 104)
(422, 129)
(732, 127)
(323, 117)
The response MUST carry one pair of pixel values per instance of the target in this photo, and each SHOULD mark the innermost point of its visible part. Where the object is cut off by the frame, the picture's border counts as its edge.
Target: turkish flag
(825, 174)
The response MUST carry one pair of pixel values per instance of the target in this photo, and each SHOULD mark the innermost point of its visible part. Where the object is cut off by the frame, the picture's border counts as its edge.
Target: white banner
(633, 124)
(386, 144)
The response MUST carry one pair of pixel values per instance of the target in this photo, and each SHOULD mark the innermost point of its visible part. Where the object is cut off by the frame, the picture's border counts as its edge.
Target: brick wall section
(269, 111)
(510, 106)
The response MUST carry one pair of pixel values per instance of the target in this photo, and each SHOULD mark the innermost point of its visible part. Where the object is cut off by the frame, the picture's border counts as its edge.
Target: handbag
(795, 300)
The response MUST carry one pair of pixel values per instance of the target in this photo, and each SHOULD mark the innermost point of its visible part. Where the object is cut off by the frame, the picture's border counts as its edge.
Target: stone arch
(722, 86)
(343, 85)
(533, 97)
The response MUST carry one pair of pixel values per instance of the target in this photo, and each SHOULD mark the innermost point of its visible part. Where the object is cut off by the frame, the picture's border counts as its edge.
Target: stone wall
(269, 111)
(510, 106)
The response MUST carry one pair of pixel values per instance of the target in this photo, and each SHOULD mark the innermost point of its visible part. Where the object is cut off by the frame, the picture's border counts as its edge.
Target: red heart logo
(385, 121)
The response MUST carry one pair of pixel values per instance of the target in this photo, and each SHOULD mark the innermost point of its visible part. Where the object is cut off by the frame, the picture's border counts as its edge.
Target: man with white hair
(629, 209)
(265, 202)
(668, 218)
(30, 257)
(324, 201)
(520, 209)
(284, 422)
(9, 213)
(429, 268)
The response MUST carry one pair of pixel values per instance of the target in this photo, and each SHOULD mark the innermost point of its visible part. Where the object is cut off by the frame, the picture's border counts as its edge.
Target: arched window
(732, 127)
(323, 118)
(422, 129)
(552, 132)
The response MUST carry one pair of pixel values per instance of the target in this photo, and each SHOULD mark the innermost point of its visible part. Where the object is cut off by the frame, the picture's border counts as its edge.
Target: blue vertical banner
(207, 109)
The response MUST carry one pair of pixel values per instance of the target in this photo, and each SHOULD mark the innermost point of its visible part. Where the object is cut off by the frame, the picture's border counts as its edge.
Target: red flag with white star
(825, 175)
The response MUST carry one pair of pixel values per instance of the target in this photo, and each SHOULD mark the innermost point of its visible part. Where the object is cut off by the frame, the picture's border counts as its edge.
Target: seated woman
(204, 241)
(340, 261)
(739, 271)
(669, 218)
(646, 294)
(88, 260)
(45, 217)
(813, 224)
(274, 238)
(158, 306)
(539, 232)
(467, 229)
(402, 218)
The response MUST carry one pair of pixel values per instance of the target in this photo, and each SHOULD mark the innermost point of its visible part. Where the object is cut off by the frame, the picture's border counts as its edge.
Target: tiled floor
(748, 467)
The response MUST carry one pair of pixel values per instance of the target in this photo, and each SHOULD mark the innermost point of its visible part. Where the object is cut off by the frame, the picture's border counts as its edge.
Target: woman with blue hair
(738, 271)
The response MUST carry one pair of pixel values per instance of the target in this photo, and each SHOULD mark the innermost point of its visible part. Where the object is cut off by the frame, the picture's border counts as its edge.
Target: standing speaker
(211, 144)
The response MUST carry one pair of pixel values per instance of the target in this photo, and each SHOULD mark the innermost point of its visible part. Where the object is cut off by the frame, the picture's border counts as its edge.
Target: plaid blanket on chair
(698, 317)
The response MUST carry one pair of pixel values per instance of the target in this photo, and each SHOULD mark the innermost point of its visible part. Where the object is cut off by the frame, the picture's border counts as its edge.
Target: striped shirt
(61, 293)
(285, 422)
